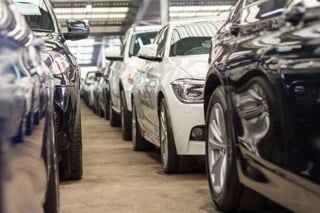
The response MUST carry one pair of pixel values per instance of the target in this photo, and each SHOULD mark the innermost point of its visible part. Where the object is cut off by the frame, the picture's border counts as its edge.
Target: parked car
(121, 75)
(262, 107)
(65, 70)
(88, 88)
(167, 103)
(102, 92)
(27, 169)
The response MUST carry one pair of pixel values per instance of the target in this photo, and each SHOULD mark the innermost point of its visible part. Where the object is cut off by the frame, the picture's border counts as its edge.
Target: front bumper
(184, 117)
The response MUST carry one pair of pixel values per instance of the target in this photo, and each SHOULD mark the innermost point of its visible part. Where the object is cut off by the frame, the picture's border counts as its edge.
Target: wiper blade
(42, 30)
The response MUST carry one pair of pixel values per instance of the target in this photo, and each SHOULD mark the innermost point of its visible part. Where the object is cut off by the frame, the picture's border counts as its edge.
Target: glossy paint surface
(278, 141)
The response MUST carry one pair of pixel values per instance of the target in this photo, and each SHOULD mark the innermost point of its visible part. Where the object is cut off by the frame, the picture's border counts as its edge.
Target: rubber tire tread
(141, 144)
(126, 125)
(72, 158)
(115, 119)
(173, 165)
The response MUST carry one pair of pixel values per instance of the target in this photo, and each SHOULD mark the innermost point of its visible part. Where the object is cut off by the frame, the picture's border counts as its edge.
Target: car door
(149, 89)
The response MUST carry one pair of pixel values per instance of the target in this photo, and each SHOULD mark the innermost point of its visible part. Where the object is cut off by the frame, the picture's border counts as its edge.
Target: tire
(37, 117)
(107, 108)
(125, 119)
(226, 192)
(29, 123)
(70, 167)
(52, 200)
(169, 157)
(101, 112)
(19, 137)
(115, 119)
(138, 142)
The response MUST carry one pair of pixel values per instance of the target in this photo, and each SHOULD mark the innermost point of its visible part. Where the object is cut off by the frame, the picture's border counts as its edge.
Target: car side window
(262, 10)
(161, 41)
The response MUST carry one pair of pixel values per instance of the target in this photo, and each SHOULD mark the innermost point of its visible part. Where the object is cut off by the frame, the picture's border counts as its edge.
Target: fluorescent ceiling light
(92, 10)
(194, 14)
(198, 8)
(92, 16)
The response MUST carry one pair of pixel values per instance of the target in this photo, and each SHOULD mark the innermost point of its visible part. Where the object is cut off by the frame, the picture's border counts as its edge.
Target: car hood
(194, 65)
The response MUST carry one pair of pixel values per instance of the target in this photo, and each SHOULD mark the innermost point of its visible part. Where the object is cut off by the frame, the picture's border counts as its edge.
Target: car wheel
(71, 163)
(18, 138)
(125, 118)
(138, 142)
(29, 123)
(101, 112)
(226, 191)
(37, 117)
(169, 157)
(115, 120)
(52, 201)
(107, 108)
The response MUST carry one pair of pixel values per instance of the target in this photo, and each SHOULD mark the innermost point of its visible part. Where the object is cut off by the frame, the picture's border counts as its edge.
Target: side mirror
(114, 55)
(76, 30)
(233, 28)
(149, 52)
(99, 74)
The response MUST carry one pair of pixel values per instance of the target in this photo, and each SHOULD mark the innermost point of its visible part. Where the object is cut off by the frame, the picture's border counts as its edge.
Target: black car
(65, 70)
(28, 169)
(262, 107)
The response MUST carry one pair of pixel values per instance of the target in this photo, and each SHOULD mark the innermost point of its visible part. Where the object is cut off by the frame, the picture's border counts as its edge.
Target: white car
(121, 75)
(167, 108)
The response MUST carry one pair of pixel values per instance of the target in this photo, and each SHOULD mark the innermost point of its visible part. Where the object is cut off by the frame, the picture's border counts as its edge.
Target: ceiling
(109, 19)
(114, 17)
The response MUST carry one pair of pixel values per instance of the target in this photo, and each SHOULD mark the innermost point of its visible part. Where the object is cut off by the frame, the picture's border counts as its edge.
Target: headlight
(189, 90)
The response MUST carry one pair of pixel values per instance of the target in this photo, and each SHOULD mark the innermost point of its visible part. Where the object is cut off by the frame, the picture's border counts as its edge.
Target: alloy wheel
(217, 155)
(163, 137)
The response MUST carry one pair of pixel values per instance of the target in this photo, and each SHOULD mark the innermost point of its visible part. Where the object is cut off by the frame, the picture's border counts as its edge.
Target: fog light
(197, 133)
(299, 89)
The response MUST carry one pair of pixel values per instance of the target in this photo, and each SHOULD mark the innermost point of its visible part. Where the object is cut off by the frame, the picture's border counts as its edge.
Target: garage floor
(117, 179)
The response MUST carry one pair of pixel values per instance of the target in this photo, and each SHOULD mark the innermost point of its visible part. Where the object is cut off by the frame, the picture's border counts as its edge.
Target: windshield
(36, 14)
(139, 40)
(192, 38)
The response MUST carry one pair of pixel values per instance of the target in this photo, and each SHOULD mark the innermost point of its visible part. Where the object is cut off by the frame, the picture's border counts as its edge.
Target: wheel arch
(160, 96)
(212, 82)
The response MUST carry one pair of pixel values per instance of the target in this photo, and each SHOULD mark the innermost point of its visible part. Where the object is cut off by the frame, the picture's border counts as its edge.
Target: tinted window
(139, 40)
(192, 38)
(36, 14)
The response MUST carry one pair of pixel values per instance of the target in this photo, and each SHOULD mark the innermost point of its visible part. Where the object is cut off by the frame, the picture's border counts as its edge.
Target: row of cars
(40, 130)
(253, 111)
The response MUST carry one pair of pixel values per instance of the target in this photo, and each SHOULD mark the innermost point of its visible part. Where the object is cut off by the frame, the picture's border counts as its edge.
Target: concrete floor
(117, 179)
